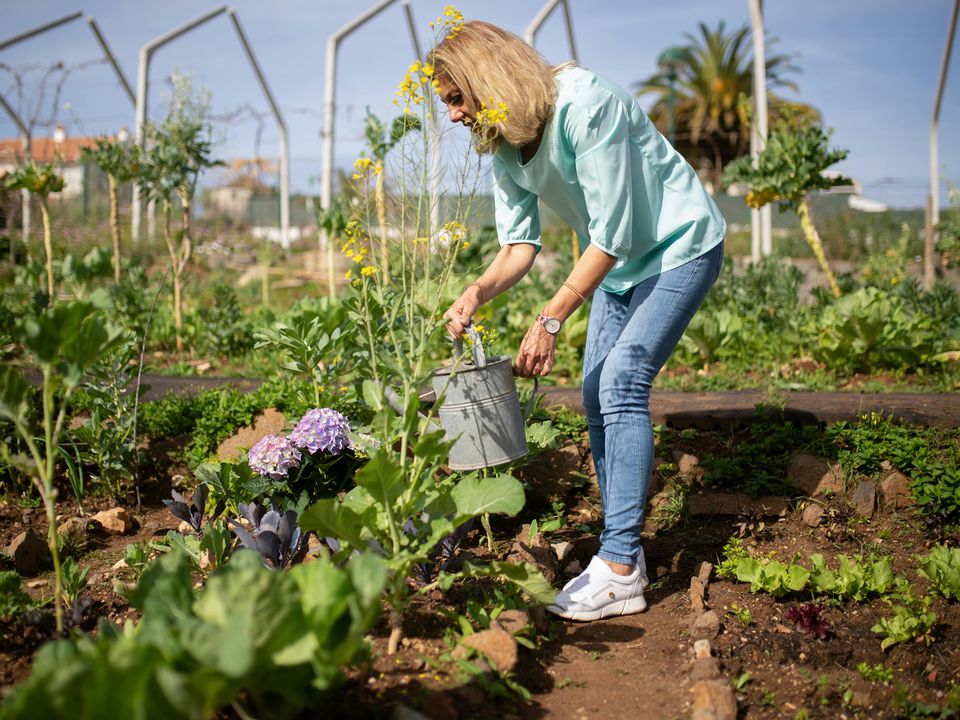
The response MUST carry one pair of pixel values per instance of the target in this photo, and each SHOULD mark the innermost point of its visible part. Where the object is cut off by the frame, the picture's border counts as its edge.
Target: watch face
(551, 325)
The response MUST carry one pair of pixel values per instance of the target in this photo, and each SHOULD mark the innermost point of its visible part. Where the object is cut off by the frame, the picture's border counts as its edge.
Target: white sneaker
(598, 592)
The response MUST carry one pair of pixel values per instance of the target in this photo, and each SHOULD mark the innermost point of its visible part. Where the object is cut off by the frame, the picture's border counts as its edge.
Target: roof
(44, 150)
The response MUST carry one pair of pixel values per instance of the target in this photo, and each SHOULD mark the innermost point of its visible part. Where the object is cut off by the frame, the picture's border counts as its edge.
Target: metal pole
(530, 33)
(929, 254)
(281, 125)
(108, 54)
(4, 44)
(25, 141)
(434, 130)
(146, 53)
(759, 139)
(671, 109)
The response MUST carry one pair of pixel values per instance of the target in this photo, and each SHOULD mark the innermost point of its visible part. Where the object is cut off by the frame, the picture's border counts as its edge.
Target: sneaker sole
(615, 609)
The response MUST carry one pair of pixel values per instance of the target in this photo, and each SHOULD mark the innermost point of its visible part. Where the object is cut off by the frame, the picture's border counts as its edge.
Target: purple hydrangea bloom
(322, 429)
(273, 457)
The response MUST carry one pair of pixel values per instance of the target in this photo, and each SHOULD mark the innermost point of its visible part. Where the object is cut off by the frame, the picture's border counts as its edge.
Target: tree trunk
(175, 271)
(813, 239)
(47, 246)
(114, 225)
(382, 220)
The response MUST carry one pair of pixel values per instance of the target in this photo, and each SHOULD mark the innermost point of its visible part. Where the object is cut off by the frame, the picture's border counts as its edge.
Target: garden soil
(637, 666)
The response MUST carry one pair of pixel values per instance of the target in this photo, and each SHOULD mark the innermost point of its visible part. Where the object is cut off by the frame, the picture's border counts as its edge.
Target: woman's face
(457, 107)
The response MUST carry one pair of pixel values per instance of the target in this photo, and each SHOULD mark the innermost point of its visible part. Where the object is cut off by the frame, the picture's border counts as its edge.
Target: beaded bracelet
(572, 289)
(480, 291)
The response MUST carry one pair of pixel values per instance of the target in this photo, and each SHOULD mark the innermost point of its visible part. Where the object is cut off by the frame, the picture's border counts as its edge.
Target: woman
(652, 242)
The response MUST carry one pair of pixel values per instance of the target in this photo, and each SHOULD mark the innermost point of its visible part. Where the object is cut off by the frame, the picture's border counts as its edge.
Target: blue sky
(870, 66)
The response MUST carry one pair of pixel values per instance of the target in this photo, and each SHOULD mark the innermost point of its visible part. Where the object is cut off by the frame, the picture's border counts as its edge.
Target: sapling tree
(790, 167)
(39, 180)
(62, 343)
(178, 151)
(120, 162)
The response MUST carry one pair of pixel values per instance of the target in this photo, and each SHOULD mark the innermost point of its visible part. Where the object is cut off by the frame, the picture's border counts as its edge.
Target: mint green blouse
(607, 172)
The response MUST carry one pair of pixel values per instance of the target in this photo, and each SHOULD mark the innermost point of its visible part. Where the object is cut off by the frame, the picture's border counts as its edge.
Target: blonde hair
(491, 66)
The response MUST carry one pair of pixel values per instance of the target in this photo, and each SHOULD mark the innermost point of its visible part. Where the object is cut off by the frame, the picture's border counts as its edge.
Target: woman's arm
(510, 264)
(535, 356)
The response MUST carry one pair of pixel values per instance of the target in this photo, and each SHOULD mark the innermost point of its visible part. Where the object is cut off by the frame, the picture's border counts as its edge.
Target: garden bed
(643, 661)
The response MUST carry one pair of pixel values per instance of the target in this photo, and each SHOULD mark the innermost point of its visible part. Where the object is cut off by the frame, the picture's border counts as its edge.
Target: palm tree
(713, 73)
(120, 163)
(39, 180)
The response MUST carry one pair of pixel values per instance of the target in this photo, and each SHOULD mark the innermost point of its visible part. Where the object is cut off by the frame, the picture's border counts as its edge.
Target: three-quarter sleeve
(599, 134)
(516, 211)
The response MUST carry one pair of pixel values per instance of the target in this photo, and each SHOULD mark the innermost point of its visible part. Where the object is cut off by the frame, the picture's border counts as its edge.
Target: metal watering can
(481, 409)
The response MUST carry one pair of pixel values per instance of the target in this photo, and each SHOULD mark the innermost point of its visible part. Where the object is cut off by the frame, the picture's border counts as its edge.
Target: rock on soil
(812, 515)
(268, 422)
(29, 553)
(713, 700)
(706, 626)
(535, 550)
(115, 521)
(895, 491)
(815, 475)
(496, 644)
(864, 499)
(512, 621)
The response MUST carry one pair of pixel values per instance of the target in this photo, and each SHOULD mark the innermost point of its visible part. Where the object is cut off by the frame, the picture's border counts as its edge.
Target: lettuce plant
(192, 511)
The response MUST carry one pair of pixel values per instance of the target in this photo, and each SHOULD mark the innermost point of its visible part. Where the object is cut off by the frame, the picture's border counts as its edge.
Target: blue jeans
(629, 338)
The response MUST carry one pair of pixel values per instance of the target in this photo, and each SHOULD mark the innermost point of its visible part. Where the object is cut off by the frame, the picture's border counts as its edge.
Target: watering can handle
(479, 359)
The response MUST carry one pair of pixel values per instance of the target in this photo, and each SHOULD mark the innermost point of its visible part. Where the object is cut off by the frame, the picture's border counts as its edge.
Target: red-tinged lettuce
(809, 619)
(191, 512)
(273, 535)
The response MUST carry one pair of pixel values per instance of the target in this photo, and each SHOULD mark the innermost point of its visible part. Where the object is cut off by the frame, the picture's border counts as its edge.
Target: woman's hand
(461, 313)
(535, 357)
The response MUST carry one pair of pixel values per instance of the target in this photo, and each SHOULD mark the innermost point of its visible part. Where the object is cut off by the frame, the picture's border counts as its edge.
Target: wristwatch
(551, 324)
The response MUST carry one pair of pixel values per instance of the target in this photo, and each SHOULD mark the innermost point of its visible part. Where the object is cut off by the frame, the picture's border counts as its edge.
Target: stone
(703, 574)
(706, 626)
(402, 712)
(864, 500)
(722, 503)
(805, 472)
(573, 568)
(812, 515)
(29, 553)
(562, 550)
(268, 422)
(895, 491)
(513, 621)
(73, 530)
(697, 593)
(707, 668)
(688, 466)
(701, 649)
(115, 521)
(535, 549)
(832, 482)
(713, 700)
(496, 644)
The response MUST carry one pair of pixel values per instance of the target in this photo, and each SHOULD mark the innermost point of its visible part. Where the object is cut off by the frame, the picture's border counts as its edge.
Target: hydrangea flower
(273, 457)
(322, 429)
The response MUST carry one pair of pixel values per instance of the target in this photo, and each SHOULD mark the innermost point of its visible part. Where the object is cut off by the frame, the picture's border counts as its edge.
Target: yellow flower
(348, 274)
(368, 270)
(451, 21)
(490, 114)
(465, 245)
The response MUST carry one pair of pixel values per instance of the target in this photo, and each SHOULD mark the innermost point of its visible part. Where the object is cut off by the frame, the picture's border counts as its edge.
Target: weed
(741, 681)
(743, 615)
(878, 673)
(767, 696)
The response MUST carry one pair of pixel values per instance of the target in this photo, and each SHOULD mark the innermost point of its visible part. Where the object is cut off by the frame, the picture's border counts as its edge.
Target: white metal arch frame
(23, 127)
(143, 81)
(329, 121)
(530, 34)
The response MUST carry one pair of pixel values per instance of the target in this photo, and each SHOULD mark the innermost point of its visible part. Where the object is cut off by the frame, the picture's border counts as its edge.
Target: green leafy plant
(912, 619)
(265, 643)
(743, 615)
(13, 600)
(62, 343)
(853, 579)
(790, 166)
(39, 180)
(74, 581)
(942, 568)
(878, 673)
